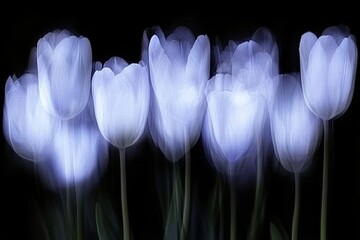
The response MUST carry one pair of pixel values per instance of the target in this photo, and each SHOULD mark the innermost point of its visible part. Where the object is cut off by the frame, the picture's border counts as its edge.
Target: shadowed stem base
(186, 210)
(328, 144)
(295, 221)
(124, 207)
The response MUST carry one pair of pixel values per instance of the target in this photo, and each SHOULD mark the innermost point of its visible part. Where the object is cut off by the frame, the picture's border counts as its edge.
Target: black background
(115, 34)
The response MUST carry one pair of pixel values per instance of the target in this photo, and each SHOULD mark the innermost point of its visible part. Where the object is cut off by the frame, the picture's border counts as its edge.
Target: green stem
(69, 217)
(186, 209)
(327, 147)
(295, 222)
(233, 211)
(221, 228)
(79, 219)
(256, 221)
(125, 216)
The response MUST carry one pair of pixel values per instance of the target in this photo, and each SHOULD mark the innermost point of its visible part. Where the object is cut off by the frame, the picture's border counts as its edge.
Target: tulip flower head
(179, 70)
(231, 119)
(296, 131)
(328, 67)
(64, 70)
(27, 126)
(121, 101)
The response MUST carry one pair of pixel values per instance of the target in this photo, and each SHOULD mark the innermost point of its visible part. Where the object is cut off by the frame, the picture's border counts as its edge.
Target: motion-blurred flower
(64, 70)
(27, 126)
(179, 70)
(296, 133)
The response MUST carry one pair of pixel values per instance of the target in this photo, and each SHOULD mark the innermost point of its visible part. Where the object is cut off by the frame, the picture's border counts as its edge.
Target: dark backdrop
(115, 34)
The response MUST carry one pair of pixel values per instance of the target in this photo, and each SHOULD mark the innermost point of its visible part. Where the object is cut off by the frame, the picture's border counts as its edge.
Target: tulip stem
(78, 214)
(125, 216)
(221, 227)
(186, 209)
(69, 217)
(328, 132)
(233, 210)
(256, 221)
(295, 221)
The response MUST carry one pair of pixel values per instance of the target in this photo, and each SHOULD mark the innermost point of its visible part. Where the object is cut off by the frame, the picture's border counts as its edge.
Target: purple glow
(64, 70)
(78, 152)
(179, 70)
(296, 131)
(328, 67)
(121, 100)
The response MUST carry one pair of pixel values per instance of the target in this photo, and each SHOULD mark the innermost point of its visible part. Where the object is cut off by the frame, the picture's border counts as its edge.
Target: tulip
(251, 66)
(232, 117)
(328, 67)
(64, 70)
(121, 99)
(27, 126)
(179, 70)
(296, 133)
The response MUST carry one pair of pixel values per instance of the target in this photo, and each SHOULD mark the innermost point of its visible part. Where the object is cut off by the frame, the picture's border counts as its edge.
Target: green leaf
(277, 231)
(106, 223)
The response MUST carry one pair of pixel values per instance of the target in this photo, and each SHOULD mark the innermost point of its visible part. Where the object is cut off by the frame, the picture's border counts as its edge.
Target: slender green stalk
(186, 209)
(79, 214)
(295, 221)
(328, 132)
(233, 211)
(256, 221)
(69, 216)
(125, 216)
(221, 227)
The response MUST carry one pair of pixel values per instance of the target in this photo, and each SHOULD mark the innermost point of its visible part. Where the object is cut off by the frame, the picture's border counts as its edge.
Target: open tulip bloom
(328, 67)
(121, 99)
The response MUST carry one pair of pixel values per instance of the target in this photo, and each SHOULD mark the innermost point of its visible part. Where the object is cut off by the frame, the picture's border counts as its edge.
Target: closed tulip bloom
(179, 70)
(232, 116)
(27, 126)
(64, 69)
(328, 67)
(296, 131)
(121, 101)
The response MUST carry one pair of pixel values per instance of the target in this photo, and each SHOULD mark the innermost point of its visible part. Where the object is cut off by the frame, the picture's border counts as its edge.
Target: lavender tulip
(296, 133)
(27, 126)
(179, 70)
(121, 99)
(64, 70)
(328, 67)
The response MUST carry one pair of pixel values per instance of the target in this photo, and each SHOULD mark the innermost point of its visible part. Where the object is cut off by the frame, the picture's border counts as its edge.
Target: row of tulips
(62, 112)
